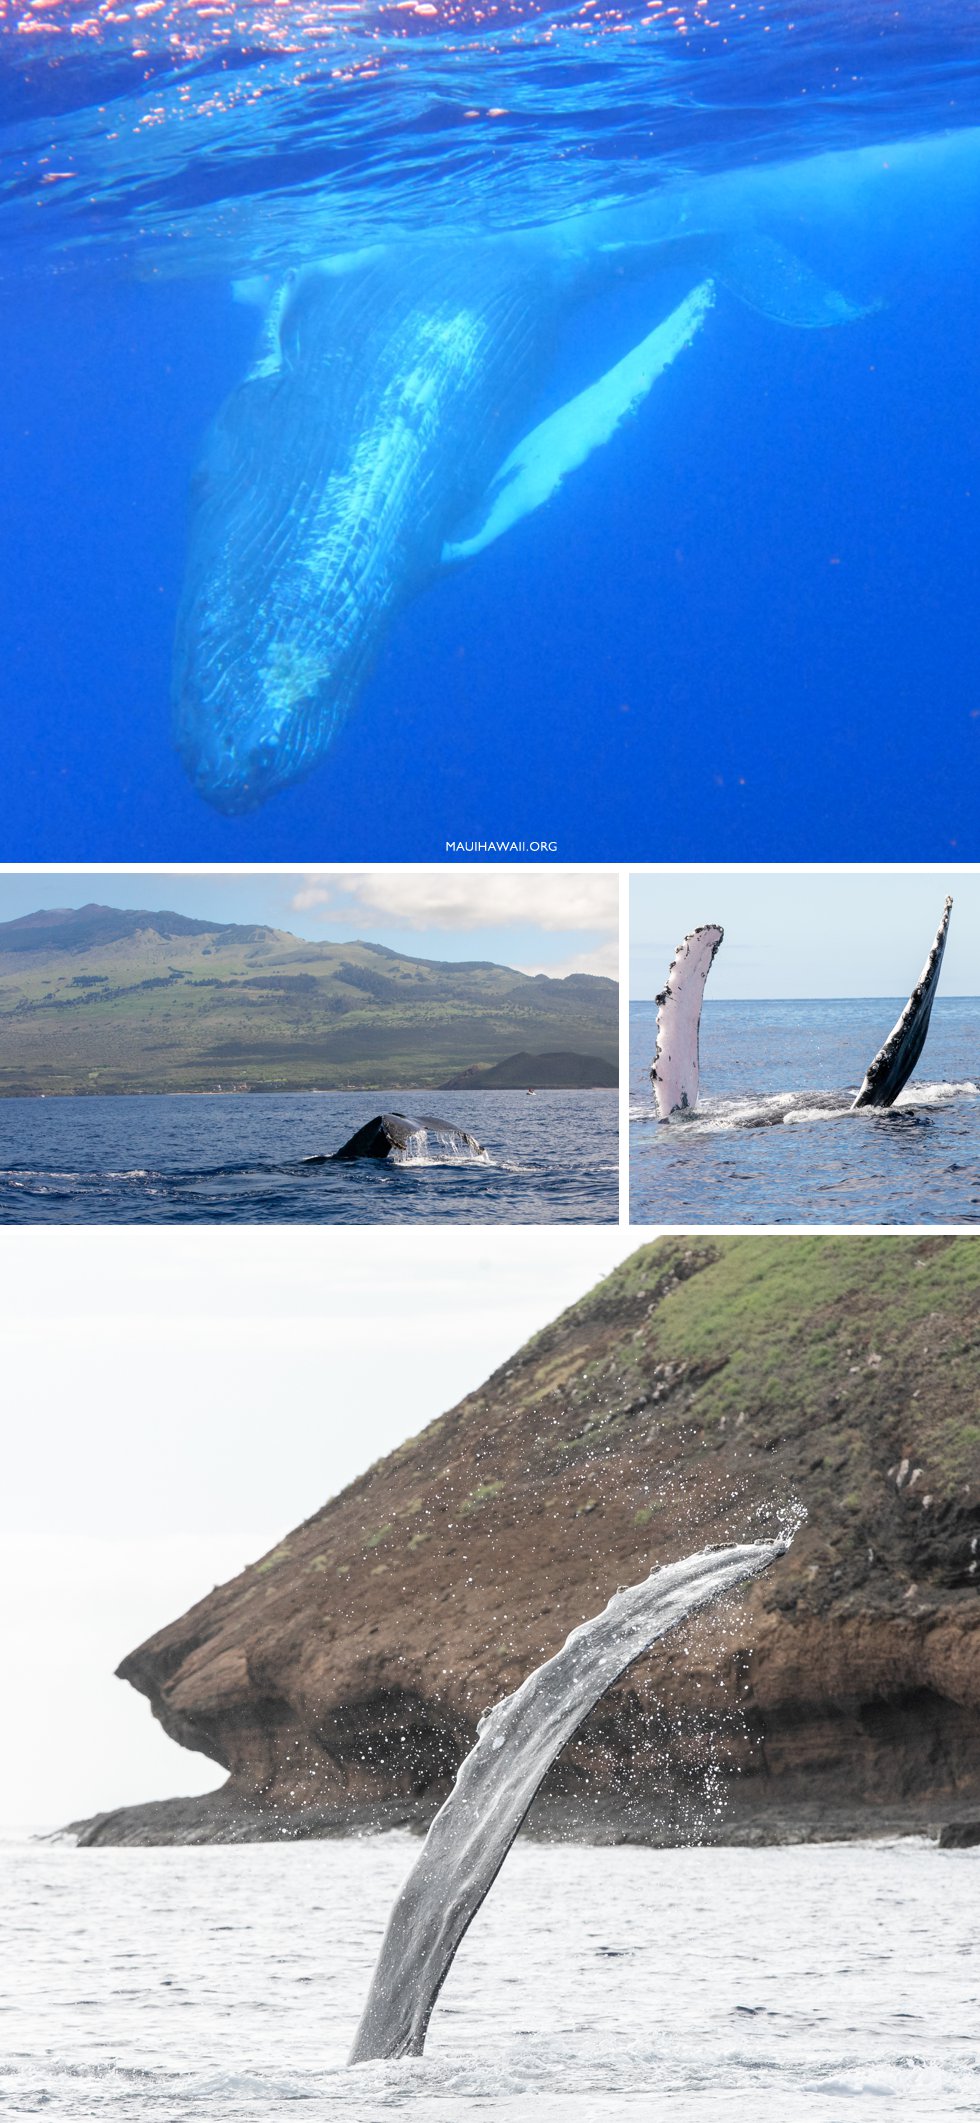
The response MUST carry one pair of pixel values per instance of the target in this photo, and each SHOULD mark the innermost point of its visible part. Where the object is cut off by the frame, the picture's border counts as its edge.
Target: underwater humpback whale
(517, 1743)
(386, 429)
(405, 1138)
(675, 1073)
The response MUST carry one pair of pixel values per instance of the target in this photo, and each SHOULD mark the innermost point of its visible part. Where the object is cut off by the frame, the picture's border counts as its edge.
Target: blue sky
(808, 933)
(546, 921)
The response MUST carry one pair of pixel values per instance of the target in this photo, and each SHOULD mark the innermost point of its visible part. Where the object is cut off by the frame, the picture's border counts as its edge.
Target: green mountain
(109, 999)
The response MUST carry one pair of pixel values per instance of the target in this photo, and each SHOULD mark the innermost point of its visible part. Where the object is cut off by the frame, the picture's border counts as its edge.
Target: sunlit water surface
(167, 1986)
(746, 623)
(189, 129)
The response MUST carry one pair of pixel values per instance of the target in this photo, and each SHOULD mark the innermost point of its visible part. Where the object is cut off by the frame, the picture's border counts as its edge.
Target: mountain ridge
(110, 1000)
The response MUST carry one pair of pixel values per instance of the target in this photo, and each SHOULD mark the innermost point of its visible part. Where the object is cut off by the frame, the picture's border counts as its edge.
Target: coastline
(282, 1090)
(221, 1818)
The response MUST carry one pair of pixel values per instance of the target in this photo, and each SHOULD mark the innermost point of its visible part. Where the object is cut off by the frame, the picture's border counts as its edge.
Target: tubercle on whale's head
(237, 763)
(252, 713)
(231, 785)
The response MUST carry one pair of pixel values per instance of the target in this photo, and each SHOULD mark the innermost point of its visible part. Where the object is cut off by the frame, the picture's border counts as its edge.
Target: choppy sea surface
(221, 1159)
(167, 1986)
(772, 1140)
(746, 622)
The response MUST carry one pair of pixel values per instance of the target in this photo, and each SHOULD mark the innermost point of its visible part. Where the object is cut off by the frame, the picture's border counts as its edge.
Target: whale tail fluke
(675, 1072)
(408, 1139)
(895, 1061)
(769, 278)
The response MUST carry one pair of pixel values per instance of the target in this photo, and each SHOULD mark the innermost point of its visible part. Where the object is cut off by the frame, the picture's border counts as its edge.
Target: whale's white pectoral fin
(894, 1062)
(274, 298)
(675, 1071)
(536, 467)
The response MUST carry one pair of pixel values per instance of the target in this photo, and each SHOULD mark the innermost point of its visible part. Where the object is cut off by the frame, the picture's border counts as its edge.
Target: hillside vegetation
(99, 999)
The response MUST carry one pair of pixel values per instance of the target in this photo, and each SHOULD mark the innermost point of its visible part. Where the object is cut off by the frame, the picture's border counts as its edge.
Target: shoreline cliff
(702, 1390)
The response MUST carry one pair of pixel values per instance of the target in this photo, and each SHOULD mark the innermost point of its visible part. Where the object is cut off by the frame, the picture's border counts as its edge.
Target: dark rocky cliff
(537, 1072)
(698, 1394)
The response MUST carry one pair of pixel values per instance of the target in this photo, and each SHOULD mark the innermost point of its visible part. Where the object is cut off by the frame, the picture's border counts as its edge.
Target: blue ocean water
(772, 1140)
(746, 626)
(221, 1159)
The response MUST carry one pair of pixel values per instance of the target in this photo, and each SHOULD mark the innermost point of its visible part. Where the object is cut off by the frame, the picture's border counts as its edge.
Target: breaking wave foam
(800, 1108)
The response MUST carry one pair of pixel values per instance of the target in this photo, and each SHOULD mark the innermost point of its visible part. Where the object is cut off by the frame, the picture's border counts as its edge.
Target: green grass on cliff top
(797, 1327)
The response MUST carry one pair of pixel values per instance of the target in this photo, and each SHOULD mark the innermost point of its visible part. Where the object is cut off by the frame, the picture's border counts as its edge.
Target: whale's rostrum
(517, 1743)
(378, 434)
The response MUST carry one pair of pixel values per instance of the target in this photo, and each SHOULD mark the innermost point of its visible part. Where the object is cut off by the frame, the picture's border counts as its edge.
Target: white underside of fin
(268, 358)
(676, 1069)
(274, 300)
(536, 467)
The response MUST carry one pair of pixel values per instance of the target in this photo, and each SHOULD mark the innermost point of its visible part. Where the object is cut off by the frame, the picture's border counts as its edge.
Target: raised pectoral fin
(518, 1741)
(773, 280)
(535, 469)
(895, 1061)
(675, 1072)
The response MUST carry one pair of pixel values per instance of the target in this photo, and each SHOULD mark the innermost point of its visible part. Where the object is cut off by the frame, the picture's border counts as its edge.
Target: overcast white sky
(808, 933)
(553, 921)
(175, 1401)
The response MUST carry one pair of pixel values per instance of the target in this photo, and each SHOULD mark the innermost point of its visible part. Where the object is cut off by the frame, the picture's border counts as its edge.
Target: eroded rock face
(703, 1390)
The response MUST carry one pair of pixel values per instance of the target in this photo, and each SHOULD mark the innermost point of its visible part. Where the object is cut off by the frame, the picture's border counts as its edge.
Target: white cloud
(468, 899)
(310, 896)
(604, 959)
